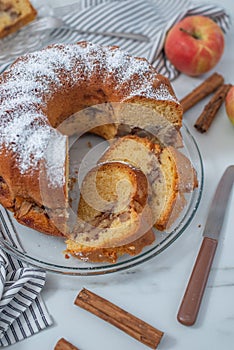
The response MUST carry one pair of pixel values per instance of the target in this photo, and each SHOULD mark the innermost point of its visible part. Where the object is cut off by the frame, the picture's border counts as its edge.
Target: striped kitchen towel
(22, 310)
(150, 17)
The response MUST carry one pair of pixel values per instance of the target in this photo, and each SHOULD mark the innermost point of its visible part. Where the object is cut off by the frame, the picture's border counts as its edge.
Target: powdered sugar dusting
(55, 151)
(30, 83)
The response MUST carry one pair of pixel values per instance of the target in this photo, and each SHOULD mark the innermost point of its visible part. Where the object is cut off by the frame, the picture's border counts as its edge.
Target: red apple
(229, 104)
(194, 45)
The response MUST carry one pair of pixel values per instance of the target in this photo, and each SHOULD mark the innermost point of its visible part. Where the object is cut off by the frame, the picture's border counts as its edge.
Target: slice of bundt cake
(109, 254)
(113, 215)
(14, 14)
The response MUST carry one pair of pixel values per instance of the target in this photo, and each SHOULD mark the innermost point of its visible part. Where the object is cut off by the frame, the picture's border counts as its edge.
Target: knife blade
(192, 298)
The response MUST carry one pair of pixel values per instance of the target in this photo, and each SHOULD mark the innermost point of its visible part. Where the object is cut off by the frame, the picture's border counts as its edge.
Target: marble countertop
(153, 290)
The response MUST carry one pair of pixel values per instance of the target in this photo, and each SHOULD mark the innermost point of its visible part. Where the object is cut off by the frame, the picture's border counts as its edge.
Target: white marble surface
(153, 291)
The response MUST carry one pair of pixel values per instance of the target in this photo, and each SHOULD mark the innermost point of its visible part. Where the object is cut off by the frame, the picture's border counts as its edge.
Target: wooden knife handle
(191, 301)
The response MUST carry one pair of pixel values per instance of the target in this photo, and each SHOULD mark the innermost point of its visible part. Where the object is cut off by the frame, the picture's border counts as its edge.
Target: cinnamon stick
(63, 344)
(210, 110)
(201, 91)
(118, 317)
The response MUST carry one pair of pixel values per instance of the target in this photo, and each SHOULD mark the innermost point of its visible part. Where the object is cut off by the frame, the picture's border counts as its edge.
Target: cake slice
(14, 14)
(110, 255)
(168, 171)
(180, 178)
(113, 215)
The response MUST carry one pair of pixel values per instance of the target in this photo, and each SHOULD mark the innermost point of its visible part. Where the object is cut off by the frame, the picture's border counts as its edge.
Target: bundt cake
(39, 92)
(113, 214)
(14, 14)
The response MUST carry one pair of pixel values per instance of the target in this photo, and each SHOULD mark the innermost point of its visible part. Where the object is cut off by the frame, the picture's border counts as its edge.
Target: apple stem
(195, 36)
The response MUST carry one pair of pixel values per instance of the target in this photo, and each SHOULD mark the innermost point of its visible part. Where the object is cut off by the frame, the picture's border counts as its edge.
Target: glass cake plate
(46, 252)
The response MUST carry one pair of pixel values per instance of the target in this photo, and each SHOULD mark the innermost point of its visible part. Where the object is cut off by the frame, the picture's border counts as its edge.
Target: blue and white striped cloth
(150, 17)
(22, 310)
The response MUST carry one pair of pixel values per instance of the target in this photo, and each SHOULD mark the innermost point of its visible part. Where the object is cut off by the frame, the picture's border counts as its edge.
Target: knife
(191, 301)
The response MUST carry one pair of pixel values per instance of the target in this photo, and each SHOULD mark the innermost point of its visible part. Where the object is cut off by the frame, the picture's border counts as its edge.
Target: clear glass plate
(46, 252)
